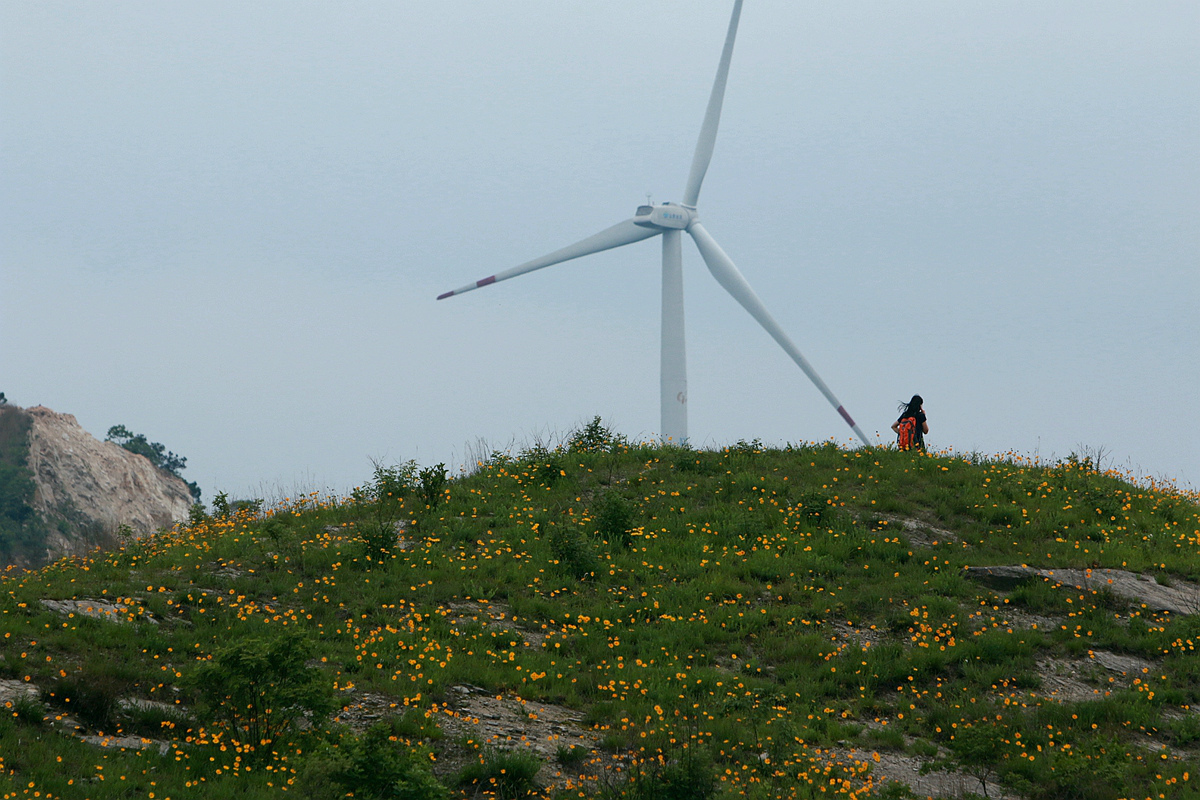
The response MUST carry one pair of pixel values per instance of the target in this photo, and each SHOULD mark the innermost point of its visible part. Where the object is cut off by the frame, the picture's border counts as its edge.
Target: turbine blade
(622, 233)
(731, 280)
(712, 117)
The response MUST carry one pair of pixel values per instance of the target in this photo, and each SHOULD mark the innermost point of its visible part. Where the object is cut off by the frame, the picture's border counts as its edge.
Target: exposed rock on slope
(86, 488)
(1181, 598)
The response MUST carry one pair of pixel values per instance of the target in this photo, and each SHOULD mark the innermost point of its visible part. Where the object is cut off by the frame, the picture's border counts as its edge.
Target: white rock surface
(97, 484)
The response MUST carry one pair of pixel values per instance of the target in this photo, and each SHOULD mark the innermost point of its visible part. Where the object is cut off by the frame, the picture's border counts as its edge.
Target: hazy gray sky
(224, 224)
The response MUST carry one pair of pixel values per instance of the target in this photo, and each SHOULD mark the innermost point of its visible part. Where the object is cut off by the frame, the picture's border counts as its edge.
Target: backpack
(907, 433)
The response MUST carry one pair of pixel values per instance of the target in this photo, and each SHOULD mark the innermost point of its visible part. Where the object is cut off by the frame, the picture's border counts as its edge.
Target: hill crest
(607, 620)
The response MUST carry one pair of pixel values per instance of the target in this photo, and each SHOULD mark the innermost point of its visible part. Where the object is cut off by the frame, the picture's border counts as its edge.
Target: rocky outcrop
(1177, 597)
(86, 489)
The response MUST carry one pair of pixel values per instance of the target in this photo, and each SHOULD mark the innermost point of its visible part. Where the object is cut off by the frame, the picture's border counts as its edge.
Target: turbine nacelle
(665, 216)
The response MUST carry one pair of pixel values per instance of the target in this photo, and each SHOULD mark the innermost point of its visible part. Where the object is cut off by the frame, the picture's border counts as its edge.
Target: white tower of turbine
(669, 220)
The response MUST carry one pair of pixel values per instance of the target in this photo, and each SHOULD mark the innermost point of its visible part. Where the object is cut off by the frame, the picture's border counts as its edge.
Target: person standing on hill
(911, 426)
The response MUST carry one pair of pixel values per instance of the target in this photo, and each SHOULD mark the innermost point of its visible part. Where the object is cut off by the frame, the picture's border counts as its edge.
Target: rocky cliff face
(86, 488)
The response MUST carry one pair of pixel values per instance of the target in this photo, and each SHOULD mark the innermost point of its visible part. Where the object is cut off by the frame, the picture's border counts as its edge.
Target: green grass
(725, 622)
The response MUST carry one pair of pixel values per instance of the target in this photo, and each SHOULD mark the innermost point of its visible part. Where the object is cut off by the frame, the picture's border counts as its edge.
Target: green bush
(815, 505)
(220, 505)
(1186, 731)
(594, 437)
(507, 774)
(378, 537)
(1094, 774)
(979, 750)
(376, 765)
(546, 466)
(570, 756)
(572, 551)
(258, 686)
(393, 482)
(28, 710)
(385, 498)
(614, 518)
(689, 777)
(432, 484)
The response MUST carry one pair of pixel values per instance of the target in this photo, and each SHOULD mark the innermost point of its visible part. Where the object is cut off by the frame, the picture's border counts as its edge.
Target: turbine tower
(670, 220)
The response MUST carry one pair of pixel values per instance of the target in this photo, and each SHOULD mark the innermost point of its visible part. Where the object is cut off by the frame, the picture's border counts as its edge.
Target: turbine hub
(665, 216)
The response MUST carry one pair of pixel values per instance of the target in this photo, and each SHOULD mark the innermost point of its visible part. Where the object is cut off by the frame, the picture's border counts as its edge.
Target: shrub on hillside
(384, 497)
(374, 765)
(594, 437)
(260, 685)
(545, 465)
(689, 777)
(614, 518)
(572, 551)
(505, 774)
(432, 484)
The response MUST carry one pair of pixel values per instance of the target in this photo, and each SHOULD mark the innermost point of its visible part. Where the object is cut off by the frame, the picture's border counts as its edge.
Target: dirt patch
(367, 709)
(228, 572)
(1015, 617)
(125, 742)
(1092, 678)
(903, 767)
(151, 705)
(906, 769)
(482, 612)
(863, 637)
(486, 721)
(100, 609)
(919, 533)
(509, 722)
(1069, 681)
(1128, 666)
(11, 691)
(493, 616)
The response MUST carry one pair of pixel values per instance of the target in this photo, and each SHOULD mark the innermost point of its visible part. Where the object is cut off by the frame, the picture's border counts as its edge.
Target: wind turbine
(669, 220)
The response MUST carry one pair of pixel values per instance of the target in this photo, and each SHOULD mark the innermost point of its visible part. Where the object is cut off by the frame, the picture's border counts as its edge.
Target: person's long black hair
(910, 408)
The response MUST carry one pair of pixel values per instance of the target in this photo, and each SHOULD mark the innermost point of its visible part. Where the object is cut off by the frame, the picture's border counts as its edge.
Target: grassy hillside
(614, 620)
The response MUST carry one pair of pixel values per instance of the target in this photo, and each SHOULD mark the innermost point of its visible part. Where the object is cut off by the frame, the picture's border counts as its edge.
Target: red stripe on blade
(485, 281)
(444, 296)
(846, 416)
